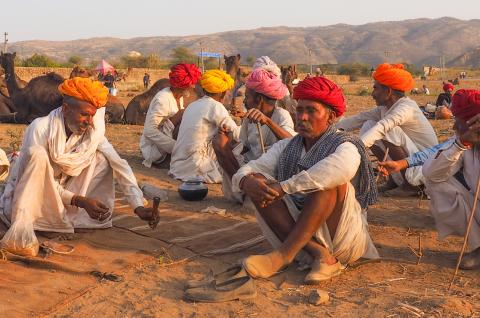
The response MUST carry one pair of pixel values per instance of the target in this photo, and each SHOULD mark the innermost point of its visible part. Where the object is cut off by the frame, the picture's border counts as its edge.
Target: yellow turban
(216, 81)
(85, 89)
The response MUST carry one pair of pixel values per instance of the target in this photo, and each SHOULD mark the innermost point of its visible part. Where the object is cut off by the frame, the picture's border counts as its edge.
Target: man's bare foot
(56, 235)
(264, 266)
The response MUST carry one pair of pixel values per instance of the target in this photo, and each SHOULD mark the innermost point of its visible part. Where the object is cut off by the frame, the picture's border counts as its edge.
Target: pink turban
(322, 90)
(266, 83)
(448, 87)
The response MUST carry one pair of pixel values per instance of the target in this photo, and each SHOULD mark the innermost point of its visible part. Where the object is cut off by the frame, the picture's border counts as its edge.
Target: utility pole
(310, 61)
(201, 57)
(5, 41)
(387, 54)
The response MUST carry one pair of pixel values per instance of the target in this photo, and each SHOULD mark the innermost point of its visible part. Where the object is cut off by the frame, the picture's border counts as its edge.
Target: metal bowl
(193, 190)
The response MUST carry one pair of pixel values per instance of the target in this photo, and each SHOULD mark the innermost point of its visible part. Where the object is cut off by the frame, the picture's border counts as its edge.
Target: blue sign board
(209, 54)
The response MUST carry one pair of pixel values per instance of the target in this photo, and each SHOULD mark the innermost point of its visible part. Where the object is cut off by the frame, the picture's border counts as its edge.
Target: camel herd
(22, 102)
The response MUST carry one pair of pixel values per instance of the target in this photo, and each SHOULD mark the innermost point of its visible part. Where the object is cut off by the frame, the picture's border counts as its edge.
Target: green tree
(182, 55)
(153, 61)
(250, 60)
(39, 60)
(354, 69)
(75, 60)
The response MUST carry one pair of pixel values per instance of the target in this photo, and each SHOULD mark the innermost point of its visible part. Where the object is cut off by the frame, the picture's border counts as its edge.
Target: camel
(232, 65)
(78, 71)
(37, 99)
(138, 107)
(289, 73)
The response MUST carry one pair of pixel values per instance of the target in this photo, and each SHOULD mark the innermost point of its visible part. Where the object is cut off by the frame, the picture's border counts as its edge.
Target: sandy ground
(155, 264)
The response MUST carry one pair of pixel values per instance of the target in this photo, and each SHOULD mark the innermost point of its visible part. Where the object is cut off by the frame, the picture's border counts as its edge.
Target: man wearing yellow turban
(63, 178)
(396, 124)
(193, 154)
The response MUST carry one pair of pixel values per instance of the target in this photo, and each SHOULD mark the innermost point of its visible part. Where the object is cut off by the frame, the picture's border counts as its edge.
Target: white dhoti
(397, 137)
(42, 200)
(352, 240)
(451, 204)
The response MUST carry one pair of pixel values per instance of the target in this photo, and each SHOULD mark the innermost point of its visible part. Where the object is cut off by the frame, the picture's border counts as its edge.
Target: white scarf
(75, 153)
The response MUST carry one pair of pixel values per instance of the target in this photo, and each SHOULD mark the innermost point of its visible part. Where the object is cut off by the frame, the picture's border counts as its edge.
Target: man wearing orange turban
(63, 178)
(452, 175)
(396, 124)
(165, 114)
(193, 154)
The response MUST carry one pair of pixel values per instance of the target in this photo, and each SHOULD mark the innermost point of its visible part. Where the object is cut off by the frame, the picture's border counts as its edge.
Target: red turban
(448, 87)
(322, 90)
(394, 76)
(184, 75)
(466, 103)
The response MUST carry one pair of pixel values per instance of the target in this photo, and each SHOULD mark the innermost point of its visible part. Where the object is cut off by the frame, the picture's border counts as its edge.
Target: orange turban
(394, 76)
(85, 89)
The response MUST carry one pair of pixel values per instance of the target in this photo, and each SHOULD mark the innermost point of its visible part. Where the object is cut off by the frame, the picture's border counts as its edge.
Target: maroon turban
(466, 103)
(184, 75)
(448, 87)
(322, 90)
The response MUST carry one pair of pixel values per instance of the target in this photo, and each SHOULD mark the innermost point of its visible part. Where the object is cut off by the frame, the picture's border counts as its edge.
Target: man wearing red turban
(396, 124)
(165, 114)
(452, 175)
(310, 188)
(445, 98)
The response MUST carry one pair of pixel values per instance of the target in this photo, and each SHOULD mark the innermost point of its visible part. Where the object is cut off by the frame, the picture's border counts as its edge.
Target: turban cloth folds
(322, 90)
(184, 75)
(216, 81)
(85, 89)
(466, 103)
(266, 83)
(394, 76)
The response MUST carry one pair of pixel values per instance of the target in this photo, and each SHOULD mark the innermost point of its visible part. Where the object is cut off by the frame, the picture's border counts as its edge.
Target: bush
(354, 70)
(363, 91)
(150, 61)
(75, 60)
(182, 55)
(39, 60)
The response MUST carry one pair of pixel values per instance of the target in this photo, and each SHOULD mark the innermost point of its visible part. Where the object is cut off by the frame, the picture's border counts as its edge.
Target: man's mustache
(304, 124)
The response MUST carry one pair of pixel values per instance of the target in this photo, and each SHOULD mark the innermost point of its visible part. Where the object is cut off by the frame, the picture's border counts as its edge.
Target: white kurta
(403, 125)
(450, 201)
(193, 153)
(157, 141)
(352, 239)
(38, 187)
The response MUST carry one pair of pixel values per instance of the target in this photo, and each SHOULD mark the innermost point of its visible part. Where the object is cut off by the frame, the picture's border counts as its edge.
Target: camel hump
(55, 77)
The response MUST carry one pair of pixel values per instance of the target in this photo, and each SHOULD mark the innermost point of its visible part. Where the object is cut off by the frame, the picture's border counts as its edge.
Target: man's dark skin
(313, 119)
(259, 110)
(78, 117)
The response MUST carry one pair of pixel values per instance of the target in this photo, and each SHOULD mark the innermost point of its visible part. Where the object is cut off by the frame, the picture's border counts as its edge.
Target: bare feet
(264, 266)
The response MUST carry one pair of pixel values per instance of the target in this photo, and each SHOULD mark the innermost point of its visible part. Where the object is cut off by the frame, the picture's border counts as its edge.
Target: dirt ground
(155, 264)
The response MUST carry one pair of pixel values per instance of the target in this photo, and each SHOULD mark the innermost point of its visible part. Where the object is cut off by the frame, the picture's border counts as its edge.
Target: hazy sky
(68, 20)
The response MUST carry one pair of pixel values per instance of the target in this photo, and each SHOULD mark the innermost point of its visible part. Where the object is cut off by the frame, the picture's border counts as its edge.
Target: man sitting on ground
(63, 178)
(165, 114)
(310, 191)
(452, 174)
(263, 91)
(397, 123)
(193, 154)
(445, 98)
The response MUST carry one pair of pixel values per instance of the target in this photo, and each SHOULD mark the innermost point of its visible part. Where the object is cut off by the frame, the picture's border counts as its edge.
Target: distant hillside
(419, 41)
(469, 59)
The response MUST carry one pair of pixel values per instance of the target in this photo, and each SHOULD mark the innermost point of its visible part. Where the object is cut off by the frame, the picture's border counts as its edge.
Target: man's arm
(445, 164)
(338, 168)
(356, 121)
(158, 117)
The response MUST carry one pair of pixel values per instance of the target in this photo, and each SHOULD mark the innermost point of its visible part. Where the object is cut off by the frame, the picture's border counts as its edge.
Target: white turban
(264, 62)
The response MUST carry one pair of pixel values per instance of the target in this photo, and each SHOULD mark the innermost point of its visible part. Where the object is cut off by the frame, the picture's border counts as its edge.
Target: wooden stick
(261, 137)
(469, 226)
(384, 158)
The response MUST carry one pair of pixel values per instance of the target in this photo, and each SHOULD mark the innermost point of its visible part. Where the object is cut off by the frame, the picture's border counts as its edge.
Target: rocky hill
(418, 41)
(469, 59)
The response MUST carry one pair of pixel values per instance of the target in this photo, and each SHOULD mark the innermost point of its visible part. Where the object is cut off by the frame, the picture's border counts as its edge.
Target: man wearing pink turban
(452, 174)
(263, 118)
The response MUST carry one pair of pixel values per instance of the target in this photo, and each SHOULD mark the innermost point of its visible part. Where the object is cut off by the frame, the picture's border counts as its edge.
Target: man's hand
(388, 167)
(468, 131)
(257, 116)
(146, 214)
(95, 209)
(257, 188)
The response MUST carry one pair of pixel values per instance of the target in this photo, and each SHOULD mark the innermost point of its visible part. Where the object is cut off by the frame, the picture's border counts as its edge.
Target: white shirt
(193, 154)
(338, 168)
(156, 141)
(249, 133)
(405, 114)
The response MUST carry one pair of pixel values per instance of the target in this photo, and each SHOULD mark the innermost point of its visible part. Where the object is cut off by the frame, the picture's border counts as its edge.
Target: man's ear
(332, 117)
